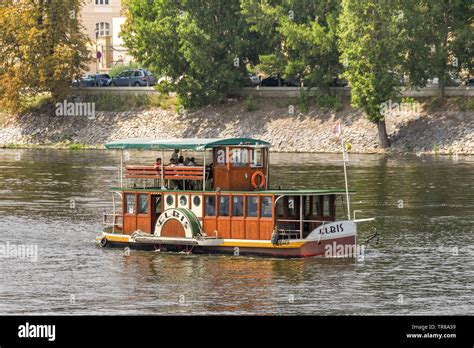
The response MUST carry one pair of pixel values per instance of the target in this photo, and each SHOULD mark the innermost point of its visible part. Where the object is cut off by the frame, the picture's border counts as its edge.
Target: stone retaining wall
(442, 131)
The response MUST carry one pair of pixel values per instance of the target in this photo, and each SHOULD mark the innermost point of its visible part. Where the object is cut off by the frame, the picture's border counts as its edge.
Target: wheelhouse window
(252, 206)
(237, 205)
(223, 205)
(143, 203)
(130, 203)
(210, 205)
(239, 157)
(267, 205)
(257, 158)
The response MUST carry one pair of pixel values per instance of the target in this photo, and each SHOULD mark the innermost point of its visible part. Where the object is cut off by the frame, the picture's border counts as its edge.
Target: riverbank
(418, 127)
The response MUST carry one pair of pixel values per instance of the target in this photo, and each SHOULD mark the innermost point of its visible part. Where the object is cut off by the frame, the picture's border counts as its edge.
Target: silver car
(135, 77)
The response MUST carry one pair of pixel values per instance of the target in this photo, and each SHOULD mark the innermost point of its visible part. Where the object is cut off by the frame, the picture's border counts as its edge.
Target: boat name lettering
(332, 229)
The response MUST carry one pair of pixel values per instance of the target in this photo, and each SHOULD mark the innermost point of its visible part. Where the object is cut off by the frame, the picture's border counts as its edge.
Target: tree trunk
(383, 137)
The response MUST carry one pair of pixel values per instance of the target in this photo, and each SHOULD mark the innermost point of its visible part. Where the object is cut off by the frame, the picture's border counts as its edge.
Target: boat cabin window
(252, 206)
(224, 205)
(237, 205)
(239, 157)
(257, 158)
(197, 201)
(267, 205)
(170, 200)
(130, 203)
(316, 206)
(327, 206)
(143, 203)
(183, 201)
(291, 207)
(210, 205)
(281, 208)
(157, 204)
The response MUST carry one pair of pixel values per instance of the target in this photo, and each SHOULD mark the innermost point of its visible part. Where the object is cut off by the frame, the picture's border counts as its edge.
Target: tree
(371, 42)
(42, 49)
(439, 40)
(201, 46)
(301, 38)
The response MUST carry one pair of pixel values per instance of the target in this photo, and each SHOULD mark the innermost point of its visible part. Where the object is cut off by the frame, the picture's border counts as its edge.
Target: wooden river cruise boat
(224, 205)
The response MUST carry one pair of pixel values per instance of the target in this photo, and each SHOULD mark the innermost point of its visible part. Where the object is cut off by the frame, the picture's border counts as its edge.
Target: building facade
(102, 20)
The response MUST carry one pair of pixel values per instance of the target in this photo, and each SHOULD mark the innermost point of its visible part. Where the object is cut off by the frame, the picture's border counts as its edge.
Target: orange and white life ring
(260, 174)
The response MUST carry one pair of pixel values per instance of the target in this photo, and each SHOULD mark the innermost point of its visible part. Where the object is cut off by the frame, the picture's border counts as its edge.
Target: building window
(210, 204)
(130, 203)
(237, 205)
(101, 2)
(102, 28)
(143, 203)
(252, 206)
(267, 204)
(223, 205)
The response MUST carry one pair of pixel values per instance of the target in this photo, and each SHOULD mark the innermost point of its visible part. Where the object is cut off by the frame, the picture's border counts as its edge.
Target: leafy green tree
(371, 42)
(42, 48)
(201, 46)
(439, 40)
(300, 38)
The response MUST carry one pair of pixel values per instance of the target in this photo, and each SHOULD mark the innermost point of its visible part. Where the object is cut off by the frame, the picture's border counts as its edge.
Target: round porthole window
(183, 200)
(197, 201)
(170, 200)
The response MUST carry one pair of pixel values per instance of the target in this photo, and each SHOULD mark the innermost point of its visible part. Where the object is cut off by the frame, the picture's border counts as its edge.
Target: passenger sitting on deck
(192, 162)
(172, 162)
(157, 164)
(186, 161)
(175, 155)
(181, 161)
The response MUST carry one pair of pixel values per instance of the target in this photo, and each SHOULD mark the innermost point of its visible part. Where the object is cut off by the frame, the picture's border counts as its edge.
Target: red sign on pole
(98, 55)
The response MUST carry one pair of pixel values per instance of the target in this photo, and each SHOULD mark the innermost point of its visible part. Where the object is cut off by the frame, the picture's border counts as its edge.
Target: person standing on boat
(175, 155)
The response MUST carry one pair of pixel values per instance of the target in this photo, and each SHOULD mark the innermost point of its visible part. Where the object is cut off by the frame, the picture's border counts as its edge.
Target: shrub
(329, 102)
(249, 104)
(303, 101)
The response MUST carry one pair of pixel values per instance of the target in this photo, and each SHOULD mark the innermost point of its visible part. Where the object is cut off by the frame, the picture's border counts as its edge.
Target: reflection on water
(422, 263)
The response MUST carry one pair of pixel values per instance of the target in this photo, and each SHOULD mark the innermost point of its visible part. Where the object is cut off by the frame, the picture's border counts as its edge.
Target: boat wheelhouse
(224, 204)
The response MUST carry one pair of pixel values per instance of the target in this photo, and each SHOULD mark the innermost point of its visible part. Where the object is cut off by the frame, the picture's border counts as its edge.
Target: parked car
(252, 80)
(92, 80)
(135, 77)
(337, 82)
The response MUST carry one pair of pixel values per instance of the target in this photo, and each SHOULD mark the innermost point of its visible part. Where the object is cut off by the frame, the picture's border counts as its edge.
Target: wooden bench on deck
(169, 172)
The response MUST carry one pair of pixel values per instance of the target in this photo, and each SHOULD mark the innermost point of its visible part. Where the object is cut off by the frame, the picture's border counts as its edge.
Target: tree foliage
(202, 46)
(42, 49)
(300, 38)
(371, 42)
(439, 40)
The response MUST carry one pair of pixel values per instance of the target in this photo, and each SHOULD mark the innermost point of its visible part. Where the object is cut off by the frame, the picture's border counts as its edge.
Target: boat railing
(169, 172)
(110, 219)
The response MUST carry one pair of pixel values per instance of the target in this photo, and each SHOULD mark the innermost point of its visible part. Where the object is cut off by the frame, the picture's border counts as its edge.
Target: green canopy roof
(182, 144)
